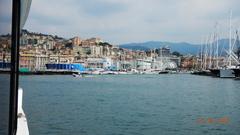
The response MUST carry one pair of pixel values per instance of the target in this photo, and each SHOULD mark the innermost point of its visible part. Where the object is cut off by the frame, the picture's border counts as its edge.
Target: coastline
(42, 72)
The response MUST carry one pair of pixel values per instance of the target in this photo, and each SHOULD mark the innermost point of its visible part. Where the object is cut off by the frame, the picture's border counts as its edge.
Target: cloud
(133, 20)
(100, 9)
(5, 17)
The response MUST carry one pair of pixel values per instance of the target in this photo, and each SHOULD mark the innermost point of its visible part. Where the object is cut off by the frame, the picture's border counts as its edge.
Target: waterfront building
(189, 62)
(27, 61)
(33, 62)
(176, 60)
(95, 63)
(126, 65)
(143, 64)
(5, 57)
(104, 63)
(38, 61)
(58, 58)
(41, 61)
(170, 62)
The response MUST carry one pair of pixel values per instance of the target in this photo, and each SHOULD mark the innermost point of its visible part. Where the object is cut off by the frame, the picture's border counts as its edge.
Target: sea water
(171, 104)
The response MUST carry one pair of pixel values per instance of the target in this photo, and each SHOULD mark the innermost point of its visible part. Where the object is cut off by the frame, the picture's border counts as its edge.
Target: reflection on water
(131, 105)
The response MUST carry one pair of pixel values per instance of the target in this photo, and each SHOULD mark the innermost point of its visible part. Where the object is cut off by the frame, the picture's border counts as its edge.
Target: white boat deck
(22, 126)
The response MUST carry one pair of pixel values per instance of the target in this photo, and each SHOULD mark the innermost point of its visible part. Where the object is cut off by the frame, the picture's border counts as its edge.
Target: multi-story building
(5, 57)
(103, 63)
(96, 51)
(143, 64)
(57, 58)
(41, 61)
(76, 41)
(164, 52)
(33, 62)
(27, 61)
(94, 40)
(189, 62)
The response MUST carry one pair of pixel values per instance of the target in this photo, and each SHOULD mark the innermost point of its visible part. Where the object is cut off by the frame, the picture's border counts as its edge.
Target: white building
(143, 65)
(41, 61)
(104, 63)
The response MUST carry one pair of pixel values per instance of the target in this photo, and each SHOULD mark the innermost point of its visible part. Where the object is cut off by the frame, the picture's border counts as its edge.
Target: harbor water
(171, 104)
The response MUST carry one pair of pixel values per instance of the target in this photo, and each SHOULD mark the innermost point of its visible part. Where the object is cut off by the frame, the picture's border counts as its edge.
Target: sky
(126, 21)
(5, 17)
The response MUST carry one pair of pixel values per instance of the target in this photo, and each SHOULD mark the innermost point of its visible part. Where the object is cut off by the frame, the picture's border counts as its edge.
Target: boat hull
(215, 72)
(237, 72)
(223, 73)
(227, 73)
(203, 73)
(163, 72)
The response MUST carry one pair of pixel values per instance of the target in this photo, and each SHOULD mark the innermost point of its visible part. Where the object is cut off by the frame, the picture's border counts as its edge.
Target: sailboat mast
(205, 55)
(210, 51)
(201, 54)
(217, 45)
(217, 59)
(161, 58)
(230, 39)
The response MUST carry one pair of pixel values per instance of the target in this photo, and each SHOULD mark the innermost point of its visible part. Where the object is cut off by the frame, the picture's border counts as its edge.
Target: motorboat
(77, 75)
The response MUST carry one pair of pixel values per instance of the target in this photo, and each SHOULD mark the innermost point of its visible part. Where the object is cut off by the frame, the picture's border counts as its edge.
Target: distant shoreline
(42, 72)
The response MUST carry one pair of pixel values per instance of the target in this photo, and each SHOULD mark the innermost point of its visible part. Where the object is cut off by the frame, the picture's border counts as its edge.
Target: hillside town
(38, 50)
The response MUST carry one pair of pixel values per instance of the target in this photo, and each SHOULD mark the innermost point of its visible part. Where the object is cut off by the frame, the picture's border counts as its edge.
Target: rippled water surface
(131, 105)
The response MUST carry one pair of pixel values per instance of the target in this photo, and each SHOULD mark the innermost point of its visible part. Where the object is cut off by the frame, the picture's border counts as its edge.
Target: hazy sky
(123, 21)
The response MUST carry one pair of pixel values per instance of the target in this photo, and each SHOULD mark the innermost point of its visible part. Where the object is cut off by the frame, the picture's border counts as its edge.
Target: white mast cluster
(210, 50)
(230, 40)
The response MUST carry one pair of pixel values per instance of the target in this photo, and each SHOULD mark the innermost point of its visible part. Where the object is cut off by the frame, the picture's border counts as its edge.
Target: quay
(43, 72)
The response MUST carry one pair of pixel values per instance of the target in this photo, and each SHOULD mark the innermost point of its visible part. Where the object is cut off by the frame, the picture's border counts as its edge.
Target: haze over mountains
(182, 47)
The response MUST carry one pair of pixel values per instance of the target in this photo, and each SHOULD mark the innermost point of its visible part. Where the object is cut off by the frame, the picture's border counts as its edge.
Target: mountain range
(182, 47)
